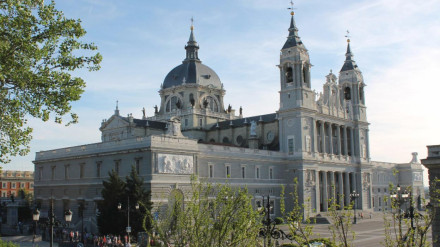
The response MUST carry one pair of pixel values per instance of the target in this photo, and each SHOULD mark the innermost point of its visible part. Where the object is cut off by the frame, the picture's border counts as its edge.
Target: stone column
(367, 141)
(322, 137)
(354, 188)
(330, 137)
(315, 136)
(332, 186)
(345, 140)
(325, 191)
(338, 134)
(352, 142)
(341, 190)
(347, 188)
(432, 162)
(318, 192)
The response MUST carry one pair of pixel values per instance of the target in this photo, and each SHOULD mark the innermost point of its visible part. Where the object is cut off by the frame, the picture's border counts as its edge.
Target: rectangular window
(271, 173)
(290, 145)
(5, 186)
(13, 185)
(257, 172)
(243, 172)
(138, 165)
(66, 171)
(186, 122)
(228, 171)
(211, 171)
(98, 169)
(270, 191)
(378, 190)
(3, 194)
(257, 191)
(22, 185)
(31, 185)
(117, 164)
(53, 173)
(81, 170)
(40, 173)
(200, 122)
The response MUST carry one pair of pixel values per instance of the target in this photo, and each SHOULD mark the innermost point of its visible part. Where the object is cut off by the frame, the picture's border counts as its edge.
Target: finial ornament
(192, 23)
(117, 104)
(348, 36)
(291, 8)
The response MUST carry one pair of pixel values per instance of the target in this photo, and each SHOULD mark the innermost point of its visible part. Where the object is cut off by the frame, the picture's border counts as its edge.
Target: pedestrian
(371, 215)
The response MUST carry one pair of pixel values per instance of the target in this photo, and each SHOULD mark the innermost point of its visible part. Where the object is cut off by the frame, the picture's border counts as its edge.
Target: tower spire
(293, 39)
(349, 63)
(192, 47)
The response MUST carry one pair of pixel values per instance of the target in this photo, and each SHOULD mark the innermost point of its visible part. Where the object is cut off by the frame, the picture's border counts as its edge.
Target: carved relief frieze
(175, 164)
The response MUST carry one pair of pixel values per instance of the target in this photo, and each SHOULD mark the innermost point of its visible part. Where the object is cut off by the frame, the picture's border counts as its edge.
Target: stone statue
(143, 112)
(155, 109)
(174, 127)
(241, 110)
(253, 128)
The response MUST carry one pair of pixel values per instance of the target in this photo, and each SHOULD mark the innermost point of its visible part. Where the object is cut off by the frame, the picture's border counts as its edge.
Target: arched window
(347, 93)
(173, 104)
(210, 103)
(361, 94)
(225, 139)
(289, 75)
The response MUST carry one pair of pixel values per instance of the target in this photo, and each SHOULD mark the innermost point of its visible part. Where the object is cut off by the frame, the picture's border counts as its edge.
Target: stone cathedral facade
(321, 140)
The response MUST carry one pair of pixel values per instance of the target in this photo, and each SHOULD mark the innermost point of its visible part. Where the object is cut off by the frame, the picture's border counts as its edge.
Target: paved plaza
(369, 233)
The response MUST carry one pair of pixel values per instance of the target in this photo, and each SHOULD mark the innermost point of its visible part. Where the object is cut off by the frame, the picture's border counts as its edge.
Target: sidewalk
(26, 241)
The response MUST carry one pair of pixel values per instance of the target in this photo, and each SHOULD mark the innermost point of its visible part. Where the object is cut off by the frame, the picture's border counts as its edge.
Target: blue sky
(396, 44)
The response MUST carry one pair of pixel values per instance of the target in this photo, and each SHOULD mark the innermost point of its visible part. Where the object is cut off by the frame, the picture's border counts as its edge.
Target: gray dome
(192, 72)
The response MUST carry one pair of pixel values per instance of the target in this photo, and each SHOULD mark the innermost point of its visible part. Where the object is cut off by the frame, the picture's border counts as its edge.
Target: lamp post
(35, 217)
(68, 217)
(270, 230)
(353, 197)
(51, 222)
(128, 228)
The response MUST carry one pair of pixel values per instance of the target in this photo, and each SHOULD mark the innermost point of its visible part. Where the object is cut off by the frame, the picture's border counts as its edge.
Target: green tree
(341, 227)
(211, 215)
(110, 220)
(399, 230)
(140, 220)
(298, 219)
(39, 50)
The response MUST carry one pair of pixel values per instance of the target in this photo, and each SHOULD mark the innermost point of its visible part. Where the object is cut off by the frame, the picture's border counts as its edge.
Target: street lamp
(51, 222)
(35, 217)
(128, 228)
(353, 197)
(67, 218)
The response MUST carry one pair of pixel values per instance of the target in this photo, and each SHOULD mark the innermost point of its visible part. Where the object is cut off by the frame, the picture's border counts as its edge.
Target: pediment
(115, 122)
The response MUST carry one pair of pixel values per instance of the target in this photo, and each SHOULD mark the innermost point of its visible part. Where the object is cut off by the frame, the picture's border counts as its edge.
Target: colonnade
(334, 138)
(335, 187)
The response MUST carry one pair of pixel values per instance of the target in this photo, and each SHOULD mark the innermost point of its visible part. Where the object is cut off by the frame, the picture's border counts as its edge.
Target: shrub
(279, 220)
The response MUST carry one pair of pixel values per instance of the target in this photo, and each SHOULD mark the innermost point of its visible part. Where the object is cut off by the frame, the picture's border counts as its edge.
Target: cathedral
(320, 140)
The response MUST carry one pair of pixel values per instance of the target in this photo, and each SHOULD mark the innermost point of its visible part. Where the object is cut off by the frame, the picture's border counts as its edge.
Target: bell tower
(297, 100)
(351, 83)
(352, 86)
(295, 72)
